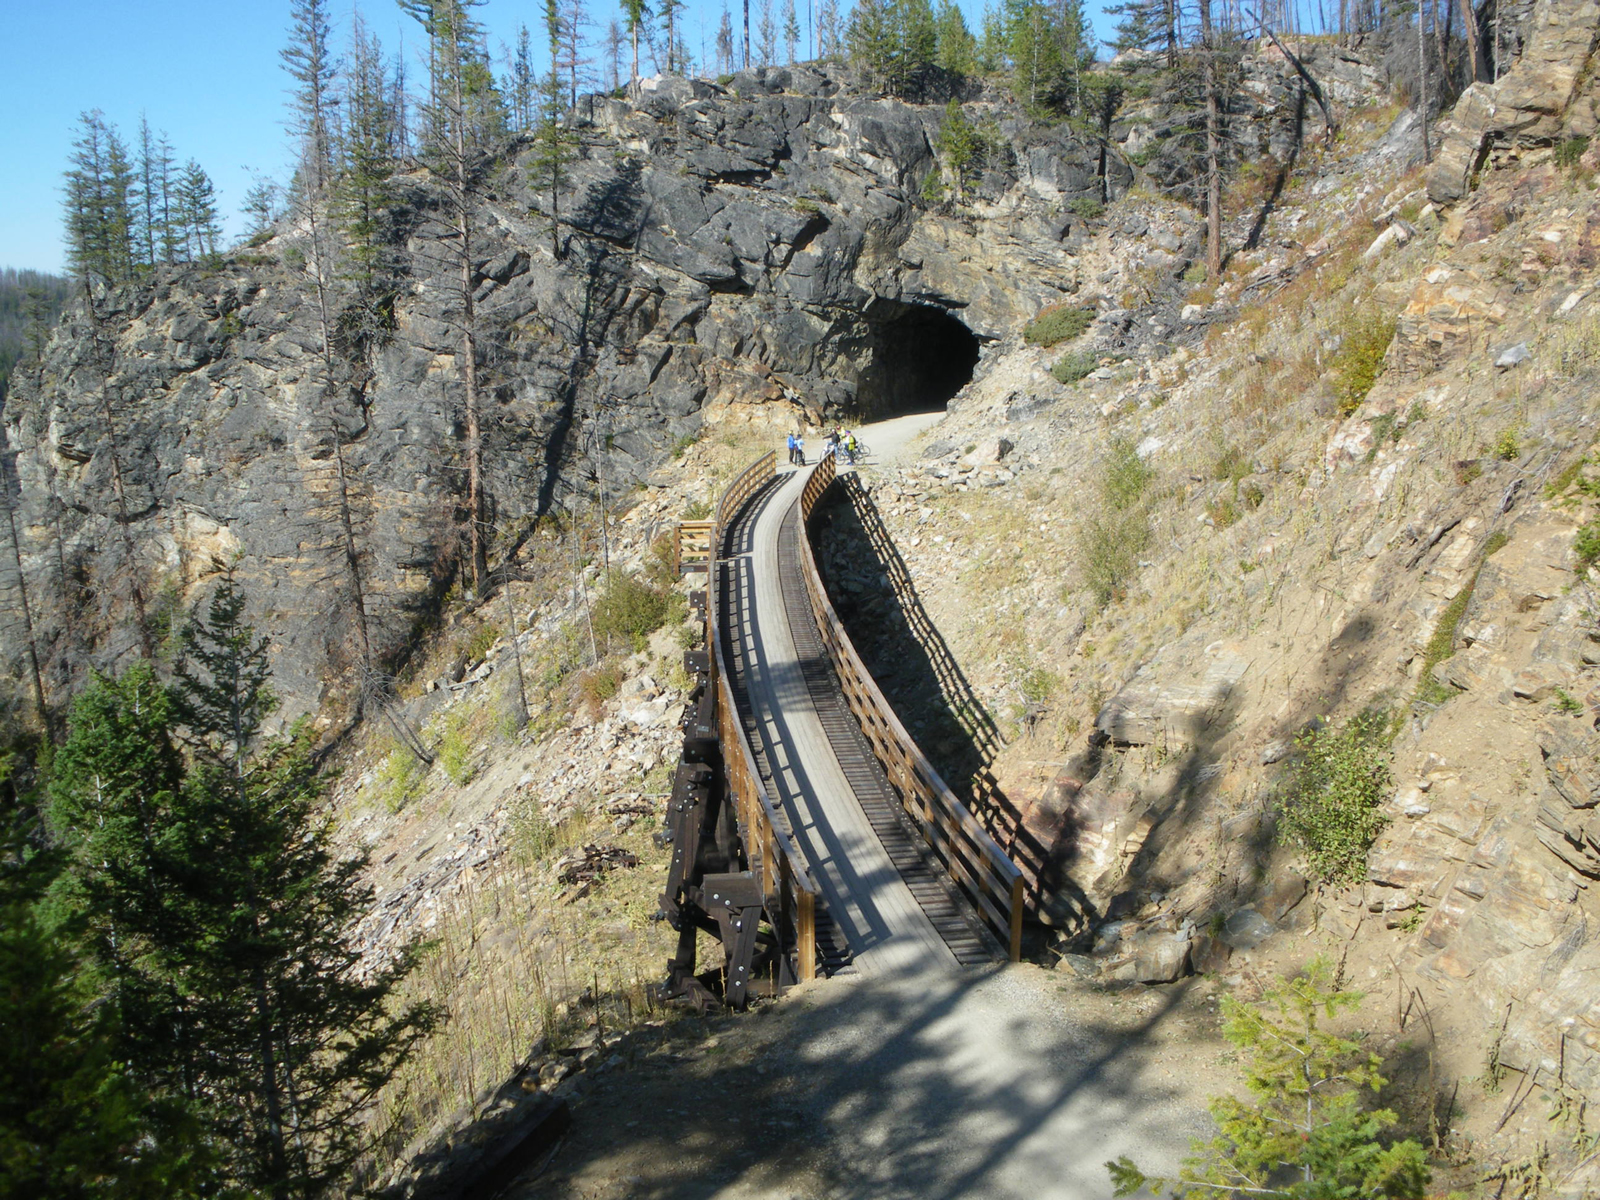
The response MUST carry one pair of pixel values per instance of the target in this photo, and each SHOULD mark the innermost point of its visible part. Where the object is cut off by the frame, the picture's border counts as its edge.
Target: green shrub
(401, 778)
(1074, 366)
(1332, 810)
(1124, 476)
(1358, 362)
(1223, 511)
(597, 685)
(479, 641)
(455, 749)
(1110, 544)
(1508, 446)
(1111, 538)
(1232, 464)
(630, 610)
(1056, 324)
(1569, 151)
(1587, 547)
(1086, 207)
(697, 511)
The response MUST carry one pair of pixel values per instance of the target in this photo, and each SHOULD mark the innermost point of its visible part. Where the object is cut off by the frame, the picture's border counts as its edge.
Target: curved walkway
(869, 900)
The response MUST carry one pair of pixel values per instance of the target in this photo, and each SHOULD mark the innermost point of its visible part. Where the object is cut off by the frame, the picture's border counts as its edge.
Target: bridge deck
(895, 910)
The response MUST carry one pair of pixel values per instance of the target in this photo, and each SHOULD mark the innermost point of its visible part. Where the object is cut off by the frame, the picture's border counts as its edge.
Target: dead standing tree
(461, 112)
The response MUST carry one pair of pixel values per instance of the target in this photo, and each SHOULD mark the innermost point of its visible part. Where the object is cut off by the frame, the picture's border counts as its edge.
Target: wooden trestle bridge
(809, 833)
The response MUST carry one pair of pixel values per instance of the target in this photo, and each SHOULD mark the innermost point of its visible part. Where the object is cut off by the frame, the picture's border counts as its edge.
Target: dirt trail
(1012, 1082)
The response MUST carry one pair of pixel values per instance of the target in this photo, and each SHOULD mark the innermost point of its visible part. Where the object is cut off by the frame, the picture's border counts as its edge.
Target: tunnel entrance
(921, 357)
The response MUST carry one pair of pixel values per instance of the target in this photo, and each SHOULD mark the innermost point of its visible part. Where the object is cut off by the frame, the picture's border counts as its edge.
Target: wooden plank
(971, 855)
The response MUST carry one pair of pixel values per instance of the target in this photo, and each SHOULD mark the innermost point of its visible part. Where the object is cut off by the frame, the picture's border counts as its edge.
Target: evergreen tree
(154, 175)
(553, 141)
(311, 65)
(635, 13)
(725, 44)
(1033, 49)
(668, 12)
(524, 86)
(830, 45)
(615, 39)
(460, 121)
(363, 191)
(766, 35)
(220, 915)
(957, 50)
(1303, 1134)
(791, 30)
(570, 60)
(297, 1039)
(992, 42)
(260, 206)
(74, 1122)
(197, 208)
(958, 145)
(892, 41)
(117, 804)
(101, 193)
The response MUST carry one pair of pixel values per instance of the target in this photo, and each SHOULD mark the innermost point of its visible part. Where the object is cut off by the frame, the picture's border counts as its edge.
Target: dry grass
(512, 964)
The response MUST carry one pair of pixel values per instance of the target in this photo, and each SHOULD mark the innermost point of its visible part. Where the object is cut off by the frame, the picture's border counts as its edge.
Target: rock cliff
(757, 248)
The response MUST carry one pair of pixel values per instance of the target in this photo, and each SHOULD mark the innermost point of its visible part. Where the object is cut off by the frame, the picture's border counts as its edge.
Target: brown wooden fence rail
(786, 884)
(973, 858)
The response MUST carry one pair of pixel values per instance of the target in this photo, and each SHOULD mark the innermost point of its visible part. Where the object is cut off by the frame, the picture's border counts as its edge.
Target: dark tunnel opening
(921, 357)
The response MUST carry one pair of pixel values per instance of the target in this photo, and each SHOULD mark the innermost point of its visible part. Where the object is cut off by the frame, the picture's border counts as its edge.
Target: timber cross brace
(709, 884)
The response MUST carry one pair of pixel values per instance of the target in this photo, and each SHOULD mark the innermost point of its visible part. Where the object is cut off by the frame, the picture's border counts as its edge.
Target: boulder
(1246, 930)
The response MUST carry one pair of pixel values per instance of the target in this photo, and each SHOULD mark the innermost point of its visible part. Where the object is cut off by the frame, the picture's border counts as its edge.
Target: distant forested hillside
(29, 300)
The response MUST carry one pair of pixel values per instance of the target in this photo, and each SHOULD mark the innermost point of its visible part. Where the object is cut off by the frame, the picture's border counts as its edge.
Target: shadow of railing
(912, 664)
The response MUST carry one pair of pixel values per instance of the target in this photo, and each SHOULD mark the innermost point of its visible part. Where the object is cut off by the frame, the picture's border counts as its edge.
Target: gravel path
(910, 1084)
(994, 1084)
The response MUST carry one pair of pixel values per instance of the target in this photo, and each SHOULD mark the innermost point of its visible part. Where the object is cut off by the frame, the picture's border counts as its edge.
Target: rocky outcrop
(757, 246)
(1533, 105)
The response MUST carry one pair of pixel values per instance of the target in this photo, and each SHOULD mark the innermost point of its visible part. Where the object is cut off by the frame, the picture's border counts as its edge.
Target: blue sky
(206, 73)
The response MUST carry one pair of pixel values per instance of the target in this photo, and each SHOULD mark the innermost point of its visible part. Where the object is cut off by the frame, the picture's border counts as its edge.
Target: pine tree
(260, 206)
(459, 121)
(766, 35)
(829, 43)
(636, 13)
(220, 915)
(574, 18)
(1303, 1134)
(957, 49)
(524, 87)
(668, 12)
(552, 139)
(958, 144)
(116, 801)
(296, 1037)
(197, 209)
(74, 1122)
(725, 45)
(363, 191)
(791, 30)
(101, 193)
(153, 172)
(311, 65)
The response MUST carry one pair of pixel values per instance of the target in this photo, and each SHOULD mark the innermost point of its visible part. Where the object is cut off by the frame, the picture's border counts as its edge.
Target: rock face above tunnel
(758, 250)
(755, 247)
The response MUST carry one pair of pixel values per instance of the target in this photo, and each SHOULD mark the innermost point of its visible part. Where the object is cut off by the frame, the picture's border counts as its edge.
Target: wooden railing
(786, 884)
(972, 857)
(693, 547)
